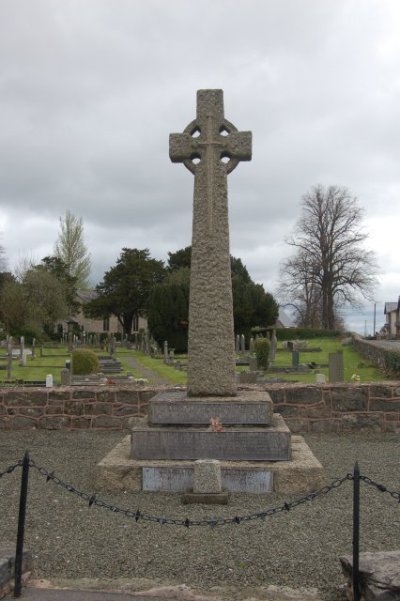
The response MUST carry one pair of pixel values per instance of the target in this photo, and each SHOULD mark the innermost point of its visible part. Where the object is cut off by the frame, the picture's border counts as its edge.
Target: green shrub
(84, 363)
(391, 361)
(261, 347)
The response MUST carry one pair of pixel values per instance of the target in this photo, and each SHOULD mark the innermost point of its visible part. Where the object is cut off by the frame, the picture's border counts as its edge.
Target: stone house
(107, 325)
(392, 325)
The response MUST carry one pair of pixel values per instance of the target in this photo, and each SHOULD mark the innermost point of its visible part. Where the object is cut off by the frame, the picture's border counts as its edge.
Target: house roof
(284, 319)
(87, 295)
(389, 307)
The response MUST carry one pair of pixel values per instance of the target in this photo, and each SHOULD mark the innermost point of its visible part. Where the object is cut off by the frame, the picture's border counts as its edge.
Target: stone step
(271, 443)
(249, 408)
(117, 471)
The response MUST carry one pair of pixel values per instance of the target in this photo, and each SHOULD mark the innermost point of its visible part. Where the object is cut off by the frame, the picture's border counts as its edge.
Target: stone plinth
(271, 443)
(252, 408)
(118, 472)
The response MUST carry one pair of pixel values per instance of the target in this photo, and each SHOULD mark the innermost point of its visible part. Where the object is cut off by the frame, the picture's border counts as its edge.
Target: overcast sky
(90, 91)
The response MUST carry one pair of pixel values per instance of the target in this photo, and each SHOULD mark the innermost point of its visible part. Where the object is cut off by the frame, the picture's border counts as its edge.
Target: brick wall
(305, 408)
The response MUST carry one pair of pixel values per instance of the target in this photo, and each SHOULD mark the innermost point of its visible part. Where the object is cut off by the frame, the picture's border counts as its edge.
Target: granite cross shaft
(210, 147)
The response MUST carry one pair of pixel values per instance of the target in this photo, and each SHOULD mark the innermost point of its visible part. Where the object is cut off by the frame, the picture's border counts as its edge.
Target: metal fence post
(356, 532)
(21, 525)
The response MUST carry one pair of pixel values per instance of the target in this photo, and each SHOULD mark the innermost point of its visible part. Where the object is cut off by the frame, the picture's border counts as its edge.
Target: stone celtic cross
(210, 147)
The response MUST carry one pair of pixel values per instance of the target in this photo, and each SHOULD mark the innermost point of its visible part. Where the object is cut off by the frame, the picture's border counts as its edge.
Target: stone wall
(338, 407)
(72, 407)
(373, 352)
(305, 408)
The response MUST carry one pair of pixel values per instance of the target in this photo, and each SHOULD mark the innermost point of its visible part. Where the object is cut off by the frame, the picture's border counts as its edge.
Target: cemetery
(247, 440)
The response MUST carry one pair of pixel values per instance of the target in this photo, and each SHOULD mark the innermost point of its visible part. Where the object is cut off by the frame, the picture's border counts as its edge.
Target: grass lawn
(37, 369)
(354, 363)
(54, 359)
(174, 376)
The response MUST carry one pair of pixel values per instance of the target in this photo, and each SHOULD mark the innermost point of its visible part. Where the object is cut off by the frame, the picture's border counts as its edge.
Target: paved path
(150, 375)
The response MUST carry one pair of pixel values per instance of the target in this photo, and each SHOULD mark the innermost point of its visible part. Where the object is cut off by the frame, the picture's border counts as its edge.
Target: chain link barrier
(381, 487)
(137, 514)
(11, 468)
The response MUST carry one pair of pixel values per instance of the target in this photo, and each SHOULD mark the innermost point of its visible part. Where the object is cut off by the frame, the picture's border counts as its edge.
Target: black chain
(381, 487)
(212, 522)
(11, 468)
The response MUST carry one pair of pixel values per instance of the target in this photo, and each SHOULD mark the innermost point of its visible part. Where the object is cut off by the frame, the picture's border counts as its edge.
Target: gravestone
(242, 343)
(203, 147)
(237, 343)
(166, 357)
(336, 367)
(274, 344)
(9, 357)
(295, 359)
(251, 345)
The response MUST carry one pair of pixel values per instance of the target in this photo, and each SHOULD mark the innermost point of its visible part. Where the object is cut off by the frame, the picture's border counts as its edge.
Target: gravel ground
(299, 548)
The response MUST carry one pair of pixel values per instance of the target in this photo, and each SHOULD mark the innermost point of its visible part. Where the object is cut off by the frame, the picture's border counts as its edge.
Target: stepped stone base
(250, 408)
(269, 443)
(118, 472)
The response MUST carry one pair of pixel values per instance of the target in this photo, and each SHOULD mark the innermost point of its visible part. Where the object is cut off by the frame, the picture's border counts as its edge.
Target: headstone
(273, 346)
(253, 363)
(165, 348)
(251, 345)
(70, 342)
(320, 378)
(336, 367)
(22, 361)
(9, 357)
(65, 377)
(34, 348)
(49, 381)
(21, 348)
(242, 343)
(204, 147)
(146, 344)
(248, 377)
(295, 359)
(237, 343)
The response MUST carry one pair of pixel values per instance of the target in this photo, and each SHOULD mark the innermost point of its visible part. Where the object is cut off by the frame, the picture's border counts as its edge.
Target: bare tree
(298, 286)
(331, 267)
(71, 249)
